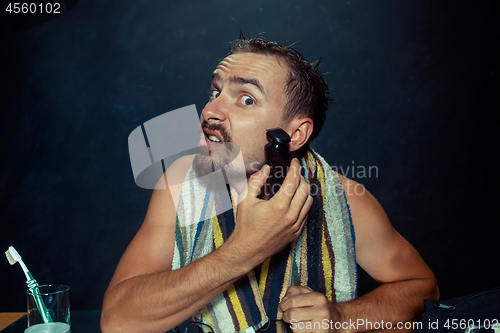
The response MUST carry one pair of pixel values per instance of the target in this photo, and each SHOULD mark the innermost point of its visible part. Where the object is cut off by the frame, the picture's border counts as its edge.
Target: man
(266, 258)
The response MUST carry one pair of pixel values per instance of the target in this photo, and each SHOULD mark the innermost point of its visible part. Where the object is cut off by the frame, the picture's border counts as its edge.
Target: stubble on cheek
(255, 158)
(210, 160)
(254, 167)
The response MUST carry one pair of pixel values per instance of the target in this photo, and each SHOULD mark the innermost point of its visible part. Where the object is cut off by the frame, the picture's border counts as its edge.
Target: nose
(214, 111)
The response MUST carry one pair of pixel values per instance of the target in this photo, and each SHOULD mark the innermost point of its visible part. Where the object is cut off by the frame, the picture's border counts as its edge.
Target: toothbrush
(13, 257)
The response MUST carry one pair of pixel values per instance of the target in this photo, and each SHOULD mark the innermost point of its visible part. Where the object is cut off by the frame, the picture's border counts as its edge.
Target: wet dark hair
(307, 93)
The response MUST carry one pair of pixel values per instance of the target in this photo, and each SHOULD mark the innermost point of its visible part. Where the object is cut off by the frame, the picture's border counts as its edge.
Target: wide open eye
(214, 94)
(247, 100)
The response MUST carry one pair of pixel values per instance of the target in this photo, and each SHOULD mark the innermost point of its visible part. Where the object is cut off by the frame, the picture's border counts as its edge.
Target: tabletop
(87, 321)
(82, 321)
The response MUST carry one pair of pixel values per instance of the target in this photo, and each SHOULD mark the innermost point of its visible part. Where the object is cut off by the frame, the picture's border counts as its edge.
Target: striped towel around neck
(322, 258)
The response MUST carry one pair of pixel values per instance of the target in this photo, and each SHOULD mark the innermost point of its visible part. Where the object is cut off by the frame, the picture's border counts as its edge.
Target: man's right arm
(145, 295)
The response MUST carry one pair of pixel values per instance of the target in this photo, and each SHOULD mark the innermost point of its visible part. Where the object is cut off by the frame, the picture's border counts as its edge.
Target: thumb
(257, 180)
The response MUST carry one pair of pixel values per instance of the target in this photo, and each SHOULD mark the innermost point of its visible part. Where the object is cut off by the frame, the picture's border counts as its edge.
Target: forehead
(270, 72)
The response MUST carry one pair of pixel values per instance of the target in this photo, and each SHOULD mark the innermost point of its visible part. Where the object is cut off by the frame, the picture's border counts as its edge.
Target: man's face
(247, 97)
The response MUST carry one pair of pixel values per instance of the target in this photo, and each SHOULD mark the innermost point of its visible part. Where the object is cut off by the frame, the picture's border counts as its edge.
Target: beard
(225, 167)
(219, 155)
(209, 160)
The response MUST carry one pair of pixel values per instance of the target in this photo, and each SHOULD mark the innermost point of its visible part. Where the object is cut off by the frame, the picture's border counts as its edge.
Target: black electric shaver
(278, 157)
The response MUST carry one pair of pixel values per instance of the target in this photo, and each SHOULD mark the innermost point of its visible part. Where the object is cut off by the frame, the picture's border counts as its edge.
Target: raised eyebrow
(215, 77)
(244, 80)
(240, 80)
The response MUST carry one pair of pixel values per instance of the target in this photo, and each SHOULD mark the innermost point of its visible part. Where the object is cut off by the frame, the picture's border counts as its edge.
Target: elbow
(119, 318)
(432, 289)
(110, 323)
(436, 291)
(112, 320)
(107, 324)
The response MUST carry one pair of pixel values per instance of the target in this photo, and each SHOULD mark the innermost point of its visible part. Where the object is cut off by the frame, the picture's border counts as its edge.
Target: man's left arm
(386, 256)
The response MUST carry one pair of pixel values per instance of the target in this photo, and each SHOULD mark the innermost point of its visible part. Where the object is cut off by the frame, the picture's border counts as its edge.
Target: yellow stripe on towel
(218, 239)
(287, 282)
(303, 259)
(327, 267)
(325, 256)
(238, 310)
(263, 276)
(321, 178)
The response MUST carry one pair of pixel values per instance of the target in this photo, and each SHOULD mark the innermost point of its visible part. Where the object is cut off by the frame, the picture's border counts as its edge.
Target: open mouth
(213, 136)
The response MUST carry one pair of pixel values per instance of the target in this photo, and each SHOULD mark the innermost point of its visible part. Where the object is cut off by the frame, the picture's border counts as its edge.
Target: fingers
(302, 314)
(305, 306)
(294, 197)
(292, 180)
(294, 187)
(303, 214)
(296, 296)
(295, 290)
(301, 202)
(257, 180)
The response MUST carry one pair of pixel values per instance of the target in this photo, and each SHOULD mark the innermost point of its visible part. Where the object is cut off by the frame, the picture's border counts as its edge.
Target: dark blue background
(416, 86)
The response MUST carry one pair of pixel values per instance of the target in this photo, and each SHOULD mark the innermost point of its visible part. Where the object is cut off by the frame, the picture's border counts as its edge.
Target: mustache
(219, 128)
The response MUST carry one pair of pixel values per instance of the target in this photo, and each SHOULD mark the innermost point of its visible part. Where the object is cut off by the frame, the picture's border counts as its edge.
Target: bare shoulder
(151, 249)
(178, 170)
(380, 249)
(362, 203)
(371, 225)
(163, 200)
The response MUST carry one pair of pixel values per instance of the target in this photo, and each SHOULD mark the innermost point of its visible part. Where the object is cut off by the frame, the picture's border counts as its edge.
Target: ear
(300, 131)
